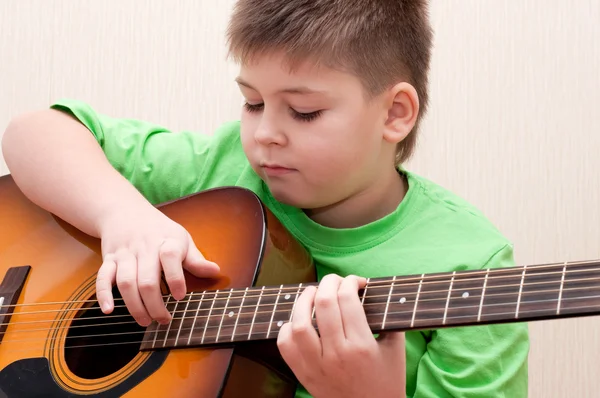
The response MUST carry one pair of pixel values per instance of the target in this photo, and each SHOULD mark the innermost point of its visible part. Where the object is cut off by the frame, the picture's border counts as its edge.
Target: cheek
(247, 128)
(338, 149)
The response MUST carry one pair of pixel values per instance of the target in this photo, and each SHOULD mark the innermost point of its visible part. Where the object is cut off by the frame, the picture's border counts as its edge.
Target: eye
(306, 117)
(253, 107)
(303, 117)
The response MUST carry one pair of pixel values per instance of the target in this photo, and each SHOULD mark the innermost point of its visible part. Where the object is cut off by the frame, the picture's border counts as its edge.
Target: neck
(416, 302)
(373, 202)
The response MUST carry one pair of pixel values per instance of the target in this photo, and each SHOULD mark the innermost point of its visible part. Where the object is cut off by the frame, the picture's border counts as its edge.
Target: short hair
(381, 42)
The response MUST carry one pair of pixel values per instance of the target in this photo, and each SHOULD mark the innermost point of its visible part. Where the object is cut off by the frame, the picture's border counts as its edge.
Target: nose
(269, 132)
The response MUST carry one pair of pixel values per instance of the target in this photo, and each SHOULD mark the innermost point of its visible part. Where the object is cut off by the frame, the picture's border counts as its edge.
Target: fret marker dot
(230, 314)
(465, 294)
(287, 296)
(280, 323)
(403, 300)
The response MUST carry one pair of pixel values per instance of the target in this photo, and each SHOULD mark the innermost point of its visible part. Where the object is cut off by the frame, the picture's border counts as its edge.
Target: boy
(334, 94)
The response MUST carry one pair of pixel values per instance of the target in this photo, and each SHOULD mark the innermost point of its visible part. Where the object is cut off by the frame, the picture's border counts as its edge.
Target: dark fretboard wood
(414, 302)
(10, 291)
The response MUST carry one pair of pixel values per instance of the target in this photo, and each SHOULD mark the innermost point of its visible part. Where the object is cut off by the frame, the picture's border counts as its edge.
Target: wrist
(121, 213)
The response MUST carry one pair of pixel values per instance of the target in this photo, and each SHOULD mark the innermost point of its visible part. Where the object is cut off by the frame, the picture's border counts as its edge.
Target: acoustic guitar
(221, 342)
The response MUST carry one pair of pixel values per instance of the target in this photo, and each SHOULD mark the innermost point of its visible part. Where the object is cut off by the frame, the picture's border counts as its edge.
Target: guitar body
(52, 345)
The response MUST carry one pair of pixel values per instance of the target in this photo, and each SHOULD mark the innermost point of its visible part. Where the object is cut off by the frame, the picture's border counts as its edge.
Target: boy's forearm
(59, 165)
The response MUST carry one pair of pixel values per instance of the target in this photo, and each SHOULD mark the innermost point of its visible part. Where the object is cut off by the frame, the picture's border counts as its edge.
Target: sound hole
(98, 345)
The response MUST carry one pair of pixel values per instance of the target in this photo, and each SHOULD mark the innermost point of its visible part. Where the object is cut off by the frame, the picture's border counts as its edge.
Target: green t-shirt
(432, 230)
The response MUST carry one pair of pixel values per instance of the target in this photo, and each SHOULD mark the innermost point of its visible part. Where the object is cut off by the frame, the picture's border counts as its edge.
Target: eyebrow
(289, 90)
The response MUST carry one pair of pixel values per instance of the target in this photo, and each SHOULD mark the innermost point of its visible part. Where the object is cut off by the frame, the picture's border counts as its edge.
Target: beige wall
(514, 124)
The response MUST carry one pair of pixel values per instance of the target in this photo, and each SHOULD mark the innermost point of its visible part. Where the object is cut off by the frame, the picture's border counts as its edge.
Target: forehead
(273, 72)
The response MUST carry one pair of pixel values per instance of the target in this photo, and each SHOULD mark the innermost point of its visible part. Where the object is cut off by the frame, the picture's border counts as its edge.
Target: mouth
(271, 169)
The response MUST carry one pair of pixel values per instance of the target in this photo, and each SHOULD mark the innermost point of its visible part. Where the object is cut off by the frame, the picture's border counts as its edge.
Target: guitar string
(385, 282)
(395, 285)
(220, 312)
(112, 316)
(217, 336)
(371, 285)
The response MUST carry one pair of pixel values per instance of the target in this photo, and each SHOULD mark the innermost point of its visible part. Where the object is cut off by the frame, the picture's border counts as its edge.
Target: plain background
(514, 123)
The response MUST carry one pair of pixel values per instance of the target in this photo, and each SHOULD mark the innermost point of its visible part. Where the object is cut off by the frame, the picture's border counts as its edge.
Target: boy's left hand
(346, 360)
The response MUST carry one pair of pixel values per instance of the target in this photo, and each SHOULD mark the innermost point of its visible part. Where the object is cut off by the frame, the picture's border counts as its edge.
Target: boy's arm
(476, 361)
(101, 174)
(59, 165)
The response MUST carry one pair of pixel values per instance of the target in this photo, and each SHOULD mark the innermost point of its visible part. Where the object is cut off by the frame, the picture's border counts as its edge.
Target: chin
(287, 198)
(292, 198)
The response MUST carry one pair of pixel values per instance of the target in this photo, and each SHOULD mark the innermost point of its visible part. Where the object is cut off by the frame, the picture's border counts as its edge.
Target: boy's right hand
(136, 246)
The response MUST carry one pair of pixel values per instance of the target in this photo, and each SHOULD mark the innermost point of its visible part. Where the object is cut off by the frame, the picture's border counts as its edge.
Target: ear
(403, 109)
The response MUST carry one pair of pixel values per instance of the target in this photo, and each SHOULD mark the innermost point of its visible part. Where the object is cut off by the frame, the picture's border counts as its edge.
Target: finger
(127, 284)
(196, 264)
(105, 279)
(171, 258)
(304, 334)
(288, 349)
(353, 315)
(149, 286)
(327, 310)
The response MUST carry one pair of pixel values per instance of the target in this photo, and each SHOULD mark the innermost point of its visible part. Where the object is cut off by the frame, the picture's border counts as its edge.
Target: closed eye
(253, 107)
(303, 117)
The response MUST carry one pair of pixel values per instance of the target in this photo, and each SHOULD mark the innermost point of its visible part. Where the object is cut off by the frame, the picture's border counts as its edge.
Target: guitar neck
(416, 302)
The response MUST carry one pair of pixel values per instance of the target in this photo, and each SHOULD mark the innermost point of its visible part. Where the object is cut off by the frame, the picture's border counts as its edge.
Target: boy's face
(311, 135)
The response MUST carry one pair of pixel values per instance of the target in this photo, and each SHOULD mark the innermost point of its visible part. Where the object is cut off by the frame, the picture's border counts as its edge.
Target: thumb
(196, 264)
(391, 340)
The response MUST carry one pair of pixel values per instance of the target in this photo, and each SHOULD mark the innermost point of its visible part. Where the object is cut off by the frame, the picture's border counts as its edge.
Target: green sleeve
(163, 165)
(476, 361)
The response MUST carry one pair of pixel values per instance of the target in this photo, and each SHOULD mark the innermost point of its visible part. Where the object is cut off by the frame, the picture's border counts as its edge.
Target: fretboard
(415, 302)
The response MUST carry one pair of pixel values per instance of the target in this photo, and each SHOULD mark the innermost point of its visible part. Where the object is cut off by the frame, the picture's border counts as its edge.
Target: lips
(272, 169)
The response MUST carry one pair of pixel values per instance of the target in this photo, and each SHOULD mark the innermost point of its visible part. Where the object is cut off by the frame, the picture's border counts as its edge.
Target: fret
(425, 301)
(520, 292)
(375, 299)
(502, 289)
(412, 322)
(448, 298)
(539, 292)
(170, 333)
(273, 311)
(223, 315)
(562, 282)
(464, 300)
(184, 317)
(485, 279)
(581, 291)
(295, 301)
(265, 312)
(203, 316)
(362, 300)
(430, 300)
(259, 297)
(195, 318)
(387, 304)
(231, 313)
(239, 314)
(208, 317)
(158, 332)
(284, 313)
